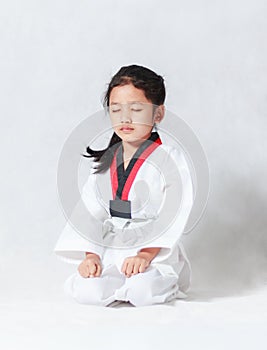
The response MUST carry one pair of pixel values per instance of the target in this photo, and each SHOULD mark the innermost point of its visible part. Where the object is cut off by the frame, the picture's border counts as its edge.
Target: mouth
(126, 128)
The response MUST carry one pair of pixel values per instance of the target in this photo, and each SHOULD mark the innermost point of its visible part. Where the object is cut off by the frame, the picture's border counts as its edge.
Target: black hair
(142, 78)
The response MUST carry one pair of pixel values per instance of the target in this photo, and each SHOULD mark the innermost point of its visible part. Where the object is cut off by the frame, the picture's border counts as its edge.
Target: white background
(56, 60)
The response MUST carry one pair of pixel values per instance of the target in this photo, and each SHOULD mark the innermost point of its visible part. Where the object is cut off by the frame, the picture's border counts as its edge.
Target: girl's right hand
(90, 266)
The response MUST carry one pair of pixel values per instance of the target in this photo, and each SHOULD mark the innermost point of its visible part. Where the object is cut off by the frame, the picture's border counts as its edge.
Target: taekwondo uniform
(145, 205)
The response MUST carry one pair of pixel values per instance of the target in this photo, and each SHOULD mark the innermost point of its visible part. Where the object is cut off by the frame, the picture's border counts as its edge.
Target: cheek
(142, 130)
(144, 122)
(114, 122)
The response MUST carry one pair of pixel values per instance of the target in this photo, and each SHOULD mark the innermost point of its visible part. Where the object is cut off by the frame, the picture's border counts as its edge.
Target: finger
(143, 267)
(124, 266)
(92, 270)
(86, 271)
(136, 268)
(83, 270)
(98, 270)
(129, 269)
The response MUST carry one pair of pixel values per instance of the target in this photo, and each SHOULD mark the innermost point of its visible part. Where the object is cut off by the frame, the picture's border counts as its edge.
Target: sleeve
(178, 190)
(83, 230)
(71, 246)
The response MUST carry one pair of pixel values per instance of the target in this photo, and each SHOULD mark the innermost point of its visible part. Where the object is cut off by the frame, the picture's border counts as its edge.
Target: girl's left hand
(134, 265)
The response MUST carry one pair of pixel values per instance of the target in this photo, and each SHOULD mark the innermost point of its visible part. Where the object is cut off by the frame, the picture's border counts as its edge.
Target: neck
(129, 148)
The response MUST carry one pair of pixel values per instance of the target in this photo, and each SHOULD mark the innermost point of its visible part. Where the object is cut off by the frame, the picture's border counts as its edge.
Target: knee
(152, 288)
(139, 292)
(86, 290)
(88, 296)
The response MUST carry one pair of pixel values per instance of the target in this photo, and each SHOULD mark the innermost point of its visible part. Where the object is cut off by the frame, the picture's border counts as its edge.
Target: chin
(129, 138)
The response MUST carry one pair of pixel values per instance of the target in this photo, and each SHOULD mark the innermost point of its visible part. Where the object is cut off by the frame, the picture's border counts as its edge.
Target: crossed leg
(147, 288)
(95, 291)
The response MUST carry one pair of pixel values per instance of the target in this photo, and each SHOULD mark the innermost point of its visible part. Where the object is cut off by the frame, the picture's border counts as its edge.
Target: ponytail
(104, 157)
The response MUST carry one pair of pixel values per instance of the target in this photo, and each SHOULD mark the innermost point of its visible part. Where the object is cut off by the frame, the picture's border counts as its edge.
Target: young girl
(143, 205)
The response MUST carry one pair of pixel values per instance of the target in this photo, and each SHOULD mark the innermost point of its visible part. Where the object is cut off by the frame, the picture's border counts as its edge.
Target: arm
(89, 254)
(177, 205)
(169, 225)
(83, 229)
(148, 253)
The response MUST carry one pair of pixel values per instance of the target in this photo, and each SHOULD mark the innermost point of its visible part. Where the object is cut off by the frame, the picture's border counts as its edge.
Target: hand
(134, 264)
(90, 266)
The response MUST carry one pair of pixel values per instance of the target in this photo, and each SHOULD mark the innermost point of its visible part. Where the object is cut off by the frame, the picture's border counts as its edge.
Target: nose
(126, 115)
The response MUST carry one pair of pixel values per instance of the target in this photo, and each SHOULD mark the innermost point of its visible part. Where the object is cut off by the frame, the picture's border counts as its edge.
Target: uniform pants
(147, 288)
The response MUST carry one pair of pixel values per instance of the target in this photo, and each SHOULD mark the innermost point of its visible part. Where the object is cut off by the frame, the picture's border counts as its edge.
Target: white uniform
(161, 198)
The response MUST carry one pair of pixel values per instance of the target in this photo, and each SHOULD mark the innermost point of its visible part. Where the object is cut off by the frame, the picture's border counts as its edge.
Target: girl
(143, 205)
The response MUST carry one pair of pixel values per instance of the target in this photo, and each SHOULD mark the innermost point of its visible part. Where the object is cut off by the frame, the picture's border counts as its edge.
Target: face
(132, 114)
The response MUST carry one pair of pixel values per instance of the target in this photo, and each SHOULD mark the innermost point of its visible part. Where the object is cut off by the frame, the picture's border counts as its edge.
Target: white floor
(35, 314)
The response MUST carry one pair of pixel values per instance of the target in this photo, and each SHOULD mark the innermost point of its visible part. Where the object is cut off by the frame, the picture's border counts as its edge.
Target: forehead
(127, 93)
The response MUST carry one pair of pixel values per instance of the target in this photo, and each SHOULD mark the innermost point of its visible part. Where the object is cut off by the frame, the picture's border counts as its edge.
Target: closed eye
(115, 110)
(136, 110)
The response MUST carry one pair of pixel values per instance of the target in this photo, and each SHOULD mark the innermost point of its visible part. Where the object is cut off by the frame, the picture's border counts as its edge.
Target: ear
(159, 114)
